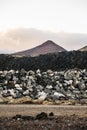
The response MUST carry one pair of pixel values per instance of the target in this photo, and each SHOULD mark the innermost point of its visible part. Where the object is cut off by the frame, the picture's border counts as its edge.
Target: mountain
(47, 47)
(83, 49)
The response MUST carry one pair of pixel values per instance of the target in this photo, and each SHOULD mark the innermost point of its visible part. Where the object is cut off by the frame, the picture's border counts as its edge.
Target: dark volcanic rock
(20, 117)
(72, 122)
(55, 61)
(51, 114)
(42, 115)
(17, 117)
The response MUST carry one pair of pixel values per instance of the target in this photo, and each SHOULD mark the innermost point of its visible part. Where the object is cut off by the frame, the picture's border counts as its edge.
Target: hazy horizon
(24, 38)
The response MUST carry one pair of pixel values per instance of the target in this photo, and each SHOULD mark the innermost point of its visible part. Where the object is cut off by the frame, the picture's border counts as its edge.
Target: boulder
(42, 95)
(50, 86)
(41, 116)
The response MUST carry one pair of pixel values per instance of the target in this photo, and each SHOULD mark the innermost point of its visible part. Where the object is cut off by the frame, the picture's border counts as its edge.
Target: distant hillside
(47, 47)
(55, 61)
(83, 49)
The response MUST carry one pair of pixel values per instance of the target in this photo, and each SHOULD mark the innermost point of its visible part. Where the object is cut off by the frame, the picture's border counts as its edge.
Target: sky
(27, 23)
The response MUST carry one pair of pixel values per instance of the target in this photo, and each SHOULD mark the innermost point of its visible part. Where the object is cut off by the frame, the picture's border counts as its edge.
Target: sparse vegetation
(55, 61)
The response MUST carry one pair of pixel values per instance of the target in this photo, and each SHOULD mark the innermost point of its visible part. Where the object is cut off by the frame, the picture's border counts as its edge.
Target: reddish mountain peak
(49, 42)
(46, 47)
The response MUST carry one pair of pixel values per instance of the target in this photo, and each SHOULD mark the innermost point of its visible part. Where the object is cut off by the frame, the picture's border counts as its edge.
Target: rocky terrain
(43, 117)
(50, 87)
(55, 61)
(43, 121)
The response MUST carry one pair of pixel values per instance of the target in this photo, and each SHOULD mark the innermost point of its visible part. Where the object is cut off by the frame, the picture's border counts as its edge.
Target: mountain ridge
(83, 48)
(46, 47)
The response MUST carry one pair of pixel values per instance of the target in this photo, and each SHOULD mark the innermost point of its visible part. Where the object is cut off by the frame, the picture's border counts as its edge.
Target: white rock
(31, 73)
(11, 71)
(49, 86)
(5, 91)
(38, 71)
(6, 81)
(5, 72)
(58, 94)
(26, 92)
(12, 92)
(42, 95)
(17, 71)
(29, 83)
(17, 85)
(15, 78)
(1, 72)
(68, 82)
(57, 82)
(19, 88)
(55, 73)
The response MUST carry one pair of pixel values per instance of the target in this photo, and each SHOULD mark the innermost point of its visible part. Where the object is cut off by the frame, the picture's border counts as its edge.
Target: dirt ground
(63, 118)
(11, 110)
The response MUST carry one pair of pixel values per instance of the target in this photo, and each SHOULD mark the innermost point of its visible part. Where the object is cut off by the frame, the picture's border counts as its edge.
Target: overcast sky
(28, 23)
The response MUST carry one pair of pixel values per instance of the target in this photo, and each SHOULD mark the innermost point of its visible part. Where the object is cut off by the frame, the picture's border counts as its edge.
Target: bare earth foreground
(11, 110)
(64, 118)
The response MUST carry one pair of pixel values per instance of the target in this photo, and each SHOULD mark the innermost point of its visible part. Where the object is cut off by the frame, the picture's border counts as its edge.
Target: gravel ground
(30, 118)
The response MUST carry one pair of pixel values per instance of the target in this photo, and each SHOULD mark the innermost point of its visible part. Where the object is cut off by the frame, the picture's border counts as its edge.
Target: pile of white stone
(49, 85)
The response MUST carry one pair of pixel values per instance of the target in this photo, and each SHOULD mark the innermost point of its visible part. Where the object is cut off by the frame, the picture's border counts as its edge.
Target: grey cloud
(25, 38)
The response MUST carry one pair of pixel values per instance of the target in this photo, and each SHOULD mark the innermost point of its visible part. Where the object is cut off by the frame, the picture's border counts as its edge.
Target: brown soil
(65, 117)
(24, 109)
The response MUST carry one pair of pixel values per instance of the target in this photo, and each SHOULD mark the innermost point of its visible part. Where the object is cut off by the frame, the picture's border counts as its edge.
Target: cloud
(14, 40)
